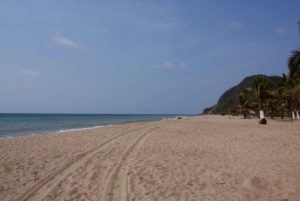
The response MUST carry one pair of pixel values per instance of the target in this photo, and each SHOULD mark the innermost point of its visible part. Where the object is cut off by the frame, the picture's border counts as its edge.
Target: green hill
(230, 98)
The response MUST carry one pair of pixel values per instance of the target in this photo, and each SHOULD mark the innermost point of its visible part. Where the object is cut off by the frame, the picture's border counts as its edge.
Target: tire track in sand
(58, 175)
(110, 180)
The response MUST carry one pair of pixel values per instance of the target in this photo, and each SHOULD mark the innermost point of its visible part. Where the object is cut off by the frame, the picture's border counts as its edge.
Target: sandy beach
(198, 158)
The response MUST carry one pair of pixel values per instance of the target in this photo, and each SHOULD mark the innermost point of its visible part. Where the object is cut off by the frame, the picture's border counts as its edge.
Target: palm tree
(276, 103)
(261, 89)
(294, 64)
(244, 103)
(290, 89)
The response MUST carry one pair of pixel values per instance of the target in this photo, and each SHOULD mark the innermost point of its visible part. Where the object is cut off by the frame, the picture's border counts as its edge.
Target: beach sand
(198, 158)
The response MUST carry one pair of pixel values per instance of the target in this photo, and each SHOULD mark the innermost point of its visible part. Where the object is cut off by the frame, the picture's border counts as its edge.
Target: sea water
(12, 125)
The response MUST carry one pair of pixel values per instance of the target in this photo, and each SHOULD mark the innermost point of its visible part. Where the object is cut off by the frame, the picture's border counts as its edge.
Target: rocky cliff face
(230, 98)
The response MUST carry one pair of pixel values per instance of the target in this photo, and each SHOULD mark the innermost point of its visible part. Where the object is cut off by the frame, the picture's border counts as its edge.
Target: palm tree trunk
(261, 112)
(259, 104)
(245, 115)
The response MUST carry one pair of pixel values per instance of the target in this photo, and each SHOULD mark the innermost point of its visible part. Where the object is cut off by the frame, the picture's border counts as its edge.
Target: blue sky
(88, 56)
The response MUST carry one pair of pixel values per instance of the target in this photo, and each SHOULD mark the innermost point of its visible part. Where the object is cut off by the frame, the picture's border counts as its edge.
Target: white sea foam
(170, 118)
(8, 137)
(81, 129)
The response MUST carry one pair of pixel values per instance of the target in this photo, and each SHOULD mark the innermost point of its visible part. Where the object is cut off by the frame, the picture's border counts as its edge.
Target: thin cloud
(282, 30)
(31, 73)
(170, 65)
(64, 41)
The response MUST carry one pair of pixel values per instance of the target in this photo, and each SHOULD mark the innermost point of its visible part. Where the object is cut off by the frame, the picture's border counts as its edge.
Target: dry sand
(199, 158)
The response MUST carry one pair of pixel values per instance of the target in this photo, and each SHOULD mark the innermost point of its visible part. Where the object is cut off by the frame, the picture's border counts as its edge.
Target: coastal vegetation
(260, 95)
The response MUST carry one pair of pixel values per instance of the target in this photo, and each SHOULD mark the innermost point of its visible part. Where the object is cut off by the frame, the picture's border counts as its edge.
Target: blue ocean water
(24, 124)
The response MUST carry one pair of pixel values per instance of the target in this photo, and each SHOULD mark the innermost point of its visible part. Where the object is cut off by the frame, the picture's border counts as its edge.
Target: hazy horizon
(59, 113)
(137, 57)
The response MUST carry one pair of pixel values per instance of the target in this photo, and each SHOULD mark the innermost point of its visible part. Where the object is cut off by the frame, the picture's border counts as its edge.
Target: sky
(127, 56)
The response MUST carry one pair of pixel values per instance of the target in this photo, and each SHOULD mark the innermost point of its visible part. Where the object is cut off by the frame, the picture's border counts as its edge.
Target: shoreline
(61, 130)
(55, 131)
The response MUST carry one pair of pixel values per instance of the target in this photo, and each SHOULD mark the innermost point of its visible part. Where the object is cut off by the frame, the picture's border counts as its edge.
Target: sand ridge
(199, 158)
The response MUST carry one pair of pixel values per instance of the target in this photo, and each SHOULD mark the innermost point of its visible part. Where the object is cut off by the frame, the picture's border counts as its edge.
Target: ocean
(12, 125)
